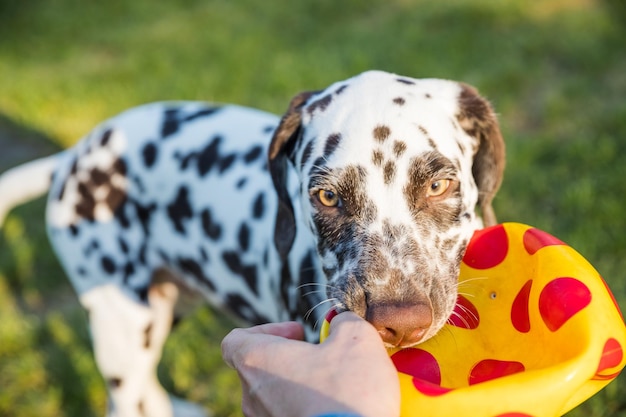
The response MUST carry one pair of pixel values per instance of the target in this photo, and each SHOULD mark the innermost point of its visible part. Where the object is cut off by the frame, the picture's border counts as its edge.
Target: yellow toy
(535, 332)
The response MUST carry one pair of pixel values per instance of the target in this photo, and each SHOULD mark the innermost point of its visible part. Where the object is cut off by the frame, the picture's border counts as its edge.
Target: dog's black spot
(258, 207)
(93, 246)
(86, 204)
(120, 167)
(331, 144)
(285, 287)
(185, 160)
(142, 294)
(232, 260)
(170, 123)
(378, 158)
(99, 177)
(399, 101)
(203, 254)
(306, 153)
(244, 237)
(248, 272)
(253, 154)
(115, 199)
(61, 192)
(241, 307)
(208, 156)
(266, 256)
(310, 297)
(268, 129)
(74, 166)
(389, 172)
(212, 229)
(341, 89)
(208, 111)
(143, 249)
(190, 266)
(144, 214)
(123, 245)
(149, 154)
(129, 270)
(74, 230)
(427, 95)
(164, 256)
(122, 217)
(114, 382)
(108, 265)
(226, 162)
(320, 104)
(399, 148)
(381, 133)
(405, 81)
(106, 136)
(241, 183)
(250, 275)
(81, 271)
(180, 209)
(147, 336)
(318, 167)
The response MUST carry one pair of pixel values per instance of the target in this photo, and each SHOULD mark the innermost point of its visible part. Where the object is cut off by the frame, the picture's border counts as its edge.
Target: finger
(289, 330)
(239, 342)
(347, 328)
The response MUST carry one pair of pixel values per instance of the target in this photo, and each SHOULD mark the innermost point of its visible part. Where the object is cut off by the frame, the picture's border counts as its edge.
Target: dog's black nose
(400, 325)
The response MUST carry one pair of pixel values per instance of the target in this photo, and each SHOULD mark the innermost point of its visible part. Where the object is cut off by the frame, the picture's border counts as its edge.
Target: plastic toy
(536, 331)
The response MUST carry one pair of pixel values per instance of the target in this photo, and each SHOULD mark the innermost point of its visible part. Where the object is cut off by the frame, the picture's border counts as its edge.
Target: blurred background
(555, 71)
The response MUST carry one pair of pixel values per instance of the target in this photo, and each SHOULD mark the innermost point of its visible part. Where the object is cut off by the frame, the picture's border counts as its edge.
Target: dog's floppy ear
(280, 151)
(477, 118)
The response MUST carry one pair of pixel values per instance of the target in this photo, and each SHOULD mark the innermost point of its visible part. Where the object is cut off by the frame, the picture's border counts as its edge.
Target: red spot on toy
(519, 309)
(331, 314)
(560, 299)
(535, 239)
(489, 369)
(612, 355)
(488, 248)
(465, 314)
(427, 388)
(417, 363)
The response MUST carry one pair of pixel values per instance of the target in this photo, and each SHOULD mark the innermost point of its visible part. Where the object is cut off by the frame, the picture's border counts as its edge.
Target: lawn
(555, 71)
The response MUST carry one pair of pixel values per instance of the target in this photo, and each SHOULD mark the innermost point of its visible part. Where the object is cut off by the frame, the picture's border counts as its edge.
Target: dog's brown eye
(438, 187)
(328, 198)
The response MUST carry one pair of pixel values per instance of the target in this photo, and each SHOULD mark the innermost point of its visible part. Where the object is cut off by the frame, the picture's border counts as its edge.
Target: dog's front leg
(128, 339)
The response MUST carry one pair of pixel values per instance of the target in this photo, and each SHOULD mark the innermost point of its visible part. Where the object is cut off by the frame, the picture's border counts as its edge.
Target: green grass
(555, 71)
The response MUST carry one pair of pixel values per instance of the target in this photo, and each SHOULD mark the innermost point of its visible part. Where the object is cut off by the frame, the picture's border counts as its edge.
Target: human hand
(283, 376)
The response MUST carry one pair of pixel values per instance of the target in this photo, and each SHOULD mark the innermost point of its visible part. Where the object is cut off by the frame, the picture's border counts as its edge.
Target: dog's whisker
(472, 279)
(469, 312)
(310, 311)
(312, 284)
(460, 317)
(466, 294)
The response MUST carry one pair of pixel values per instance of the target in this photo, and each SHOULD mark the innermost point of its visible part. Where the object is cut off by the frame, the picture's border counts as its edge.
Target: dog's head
(391, 171)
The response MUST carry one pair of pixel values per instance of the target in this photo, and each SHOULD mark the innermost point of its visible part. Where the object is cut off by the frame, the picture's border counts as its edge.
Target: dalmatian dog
(362, 197)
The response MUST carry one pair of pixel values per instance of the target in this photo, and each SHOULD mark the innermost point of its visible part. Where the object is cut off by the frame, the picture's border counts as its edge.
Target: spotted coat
(362, 197)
